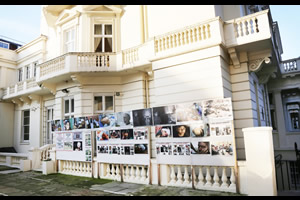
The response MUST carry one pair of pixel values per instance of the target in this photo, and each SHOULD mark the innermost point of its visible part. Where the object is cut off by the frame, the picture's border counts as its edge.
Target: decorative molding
(256, 65)
(50, 86)
(34, 97)
(77, 79)
(17, 101)
(25, 99)
(234, 57)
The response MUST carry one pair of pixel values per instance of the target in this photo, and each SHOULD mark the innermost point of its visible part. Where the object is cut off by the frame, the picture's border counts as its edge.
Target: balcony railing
(21, 88)
(239, 31)
(290, 67)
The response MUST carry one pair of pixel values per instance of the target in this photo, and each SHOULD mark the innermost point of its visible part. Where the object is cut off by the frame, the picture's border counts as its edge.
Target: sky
(22, 23)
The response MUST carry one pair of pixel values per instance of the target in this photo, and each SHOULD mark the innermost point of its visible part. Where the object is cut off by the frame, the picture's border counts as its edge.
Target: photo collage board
(200, 133)
(74, 145)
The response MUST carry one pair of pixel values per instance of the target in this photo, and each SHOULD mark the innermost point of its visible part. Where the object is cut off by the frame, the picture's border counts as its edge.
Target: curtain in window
(98, 44)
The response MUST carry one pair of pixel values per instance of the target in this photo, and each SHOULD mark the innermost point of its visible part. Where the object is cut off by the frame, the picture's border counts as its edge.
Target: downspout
(147, 89)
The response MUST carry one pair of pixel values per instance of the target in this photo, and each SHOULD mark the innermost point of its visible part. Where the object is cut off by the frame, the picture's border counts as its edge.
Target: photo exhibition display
(199, 133)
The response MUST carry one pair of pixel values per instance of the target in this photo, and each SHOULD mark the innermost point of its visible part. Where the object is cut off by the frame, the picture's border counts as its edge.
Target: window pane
(98, 102)
(49, 114)
(98, 44)
(26, 120)
(72, 105)
(108, 44)
(26, 113)
(67, 106)
(98, 29)
(108, 29)
(108, 103)
(26, 135)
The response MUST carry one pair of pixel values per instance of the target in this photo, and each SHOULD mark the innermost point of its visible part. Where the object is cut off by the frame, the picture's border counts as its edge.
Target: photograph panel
(142, 117)
(164, 115)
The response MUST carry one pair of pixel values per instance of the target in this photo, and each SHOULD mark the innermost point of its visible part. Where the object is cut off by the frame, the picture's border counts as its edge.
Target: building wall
(6, 124)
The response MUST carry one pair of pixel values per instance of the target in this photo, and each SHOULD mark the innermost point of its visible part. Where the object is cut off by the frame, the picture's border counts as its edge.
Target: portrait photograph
(127, 150)
(140, 148)
(124, 119)
(142, 117)
(200, 147)
(181, 131)
(164, 115)
(188, 112)
(140, 133)
(107, 120)
(163, 131)
(199, 130)
(77, 135)
(77, 146)
(67, 124)
(222, 148)
(53, 126)
(218, 108)
(115, 134)
(103, 149)
(126, 134)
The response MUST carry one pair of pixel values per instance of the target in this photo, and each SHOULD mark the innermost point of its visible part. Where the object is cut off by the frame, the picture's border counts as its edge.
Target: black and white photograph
(222, 148)
(127, 150)
(68, 137)
(199, 130)
(200, 147)
(221, 129)
(127, 134)
(142, 117)
(165, 149)
(140, 133)
(107, 120)
(88, 141)
(181, 131)
(77, 146)
(124, 119)
(164, 115)
(68, 146)
(163, 131)
(115, 134)
(218, 108)
(188, 112)
(103, 149)
(77, 135)
(181, 149)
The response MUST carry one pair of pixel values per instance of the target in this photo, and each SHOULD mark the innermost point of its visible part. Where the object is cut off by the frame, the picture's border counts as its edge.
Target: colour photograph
(80, 123)
(218, 108)
(67, 124)
(181, 131)
(221, 129)
(115, 134)
(126, 134)
(163, 131)
(140, 133)
(188, 112)
(77, 135)
(107, 120)
(200, 147)
(102, 134)
(141, 149)
(77, 145)
(181, 149)
(222, 148)
(142, 117)
(164, 115)
(200, 130)
(124, 119)
(68, 137)
(58, 125)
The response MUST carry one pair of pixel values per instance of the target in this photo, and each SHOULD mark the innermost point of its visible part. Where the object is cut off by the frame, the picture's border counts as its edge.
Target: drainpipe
(147, 89)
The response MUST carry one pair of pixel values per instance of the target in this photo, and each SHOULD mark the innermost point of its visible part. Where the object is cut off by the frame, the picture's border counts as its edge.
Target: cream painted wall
(166, 18)
(6, 124)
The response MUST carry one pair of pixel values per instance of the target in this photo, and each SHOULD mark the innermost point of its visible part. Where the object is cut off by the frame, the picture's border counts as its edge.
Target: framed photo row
(207, 110)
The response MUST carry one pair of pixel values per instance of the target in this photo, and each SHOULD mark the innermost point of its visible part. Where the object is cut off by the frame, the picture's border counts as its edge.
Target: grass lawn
(76, 181)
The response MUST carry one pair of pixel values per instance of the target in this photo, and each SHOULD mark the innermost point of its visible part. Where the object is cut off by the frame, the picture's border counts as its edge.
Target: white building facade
(93, 59)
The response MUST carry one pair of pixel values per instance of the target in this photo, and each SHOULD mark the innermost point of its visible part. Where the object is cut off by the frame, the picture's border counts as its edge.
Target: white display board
(123, 145)
(74, 145)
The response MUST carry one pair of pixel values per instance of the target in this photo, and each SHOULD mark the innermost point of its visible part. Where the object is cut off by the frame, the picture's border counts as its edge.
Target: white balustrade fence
(75, 168)
(127, 173)
(203, 177)
(12, 159)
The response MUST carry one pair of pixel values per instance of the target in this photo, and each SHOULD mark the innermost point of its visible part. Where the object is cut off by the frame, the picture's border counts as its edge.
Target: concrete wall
(6, 124)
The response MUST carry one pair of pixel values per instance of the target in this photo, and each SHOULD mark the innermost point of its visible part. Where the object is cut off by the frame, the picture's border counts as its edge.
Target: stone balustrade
(126, 172)
(76, 168)
(12, 159)
(21, 88)
(290, 67)
(216, 178)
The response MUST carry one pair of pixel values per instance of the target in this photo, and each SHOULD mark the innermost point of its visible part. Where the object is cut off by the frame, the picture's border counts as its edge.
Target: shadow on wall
(8, 150)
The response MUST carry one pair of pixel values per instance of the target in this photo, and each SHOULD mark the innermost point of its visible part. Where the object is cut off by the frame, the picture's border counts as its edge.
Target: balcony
(290, 67)
(245, 31)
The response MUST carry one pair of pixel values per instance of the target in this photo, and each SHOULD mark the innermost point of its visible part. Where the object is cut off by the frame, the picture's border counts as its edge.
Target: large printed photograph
(218, 108)
(124, 119)
(164, 115)
(188, 112)
(142, 117)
